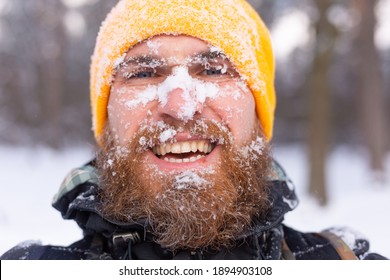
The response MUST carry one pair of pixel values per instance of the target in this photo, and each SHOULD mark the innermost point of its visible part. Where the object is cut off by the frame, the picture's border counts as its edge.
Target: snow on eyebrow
(147, 61)
(119, 61)
(215, 49)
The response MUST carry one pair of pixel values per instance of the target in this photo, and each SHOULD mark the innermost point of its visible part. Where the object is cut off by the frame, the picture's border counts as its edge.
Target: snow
(194, 92)
(153, 46)
(119, 61)
(189, 178)
(292, 203)
(348, 235)
(167, 134)
(355, 201)
(255, 148)
(31, 176)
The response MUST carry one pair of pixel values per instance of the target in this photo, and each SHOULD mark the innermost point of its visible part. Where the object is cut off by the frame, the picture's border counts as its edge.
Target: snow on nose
(180, 95)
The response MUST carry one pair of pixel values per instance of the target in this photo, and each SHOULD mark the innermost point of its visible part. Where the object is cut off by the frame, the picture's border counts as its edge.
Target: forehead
(177, 47)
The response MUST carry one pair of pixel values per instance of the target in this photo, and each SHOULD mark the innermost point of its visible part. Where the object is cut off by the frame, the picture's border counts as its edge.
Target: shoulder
(35, 251)
(41, 252)
(309, 246)
(23, 251)
(332, 244)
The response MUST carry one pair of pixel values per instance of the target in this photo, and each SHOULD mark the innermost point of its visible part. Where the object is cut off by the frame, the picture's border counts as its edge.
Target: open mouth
(184, 151)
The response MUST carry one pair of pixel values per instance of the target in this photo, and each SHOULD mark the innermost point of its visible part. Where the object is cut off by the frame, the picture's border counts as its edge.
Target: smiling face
(169, 82)
(184, 152)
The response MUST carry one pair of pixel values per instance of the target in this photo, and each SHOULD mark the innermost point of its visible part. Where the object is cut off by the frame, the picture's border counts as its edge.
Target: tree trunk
(370, 86)
(52, 72)
(320, 103)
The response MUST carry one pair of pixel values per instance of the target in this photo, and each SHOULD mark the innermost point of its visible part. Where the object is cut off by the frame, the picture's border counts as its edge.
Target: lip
(166, 166)
(182, 136)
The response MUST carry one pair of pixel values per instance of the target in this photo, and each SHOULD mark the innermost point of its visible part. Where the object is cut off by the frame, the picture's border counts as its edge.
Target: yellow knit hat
(231, 25)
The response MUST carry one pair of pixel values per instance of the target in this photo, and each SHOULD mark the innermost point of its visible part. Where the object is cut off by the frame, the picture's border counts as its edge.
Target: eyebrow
(210, 55)
(146, 59)
(142, 59)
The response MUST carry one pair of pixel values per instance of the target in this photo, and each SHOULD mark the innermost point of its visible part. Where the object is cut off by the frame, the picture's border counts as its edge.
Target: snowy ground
(30, 178)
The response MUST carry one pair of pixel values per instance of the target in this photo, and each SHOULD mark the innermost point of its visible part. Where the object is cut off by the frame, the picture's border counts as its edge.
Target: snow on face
(161, 132)
(194, 92)
(153, 46)
(254, 149)
(189, 178)
(169, 88)
(167, 134)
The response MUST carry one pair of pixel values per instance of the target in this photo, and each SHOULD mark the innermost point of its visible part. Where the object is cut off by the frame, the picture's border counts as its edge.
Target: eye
(213, 71)
(140, 74)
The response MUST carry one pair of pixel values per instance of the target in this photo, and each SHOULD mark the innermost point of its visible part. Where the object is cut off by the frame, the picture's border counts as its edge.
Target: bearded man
(183, 104)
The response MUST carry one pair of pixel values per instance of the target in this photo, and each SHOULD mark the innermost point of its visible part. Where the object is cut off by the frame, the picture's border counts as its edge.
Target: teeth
(194, 146)
(186, 147)
(202, 146)
(198, 157)
(205, 147)
(176, 148)
(163, 150)
(177, 160)
(159, 150)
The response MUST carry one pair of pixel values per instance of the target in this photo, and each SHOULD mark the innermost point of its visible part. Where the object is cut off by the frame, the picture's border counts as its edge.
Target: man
(183, 104)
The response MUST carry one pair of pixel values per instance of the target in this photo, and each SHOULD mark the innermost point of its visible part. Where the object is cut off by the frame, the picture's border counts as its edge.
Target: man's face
(174, 80)
(184, 149)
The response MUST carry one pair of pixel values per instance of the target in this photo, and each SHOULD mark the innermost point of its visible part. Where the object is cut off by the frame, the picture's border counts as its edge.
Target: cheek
(236, 107)
(123, 118)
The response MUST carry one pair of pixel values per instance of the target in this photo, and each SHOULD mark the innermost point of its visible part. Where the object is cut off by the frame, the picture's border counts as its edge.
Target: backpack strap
(339, 245)
(286, 251)
(342, 249)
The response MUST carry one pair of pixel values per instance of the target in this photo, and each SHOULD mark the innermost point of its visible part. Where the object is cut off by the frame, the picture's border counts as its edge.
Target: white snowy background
(31, 177)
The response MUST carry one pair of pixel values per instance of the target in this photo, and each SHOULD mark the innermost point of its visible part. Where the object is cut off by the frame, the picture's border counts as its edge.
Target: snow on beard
(192, 209)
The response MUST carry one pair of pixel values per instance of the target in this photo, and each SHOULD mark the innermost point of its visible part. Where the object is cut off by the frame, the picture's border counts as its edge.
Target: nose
(181, 104)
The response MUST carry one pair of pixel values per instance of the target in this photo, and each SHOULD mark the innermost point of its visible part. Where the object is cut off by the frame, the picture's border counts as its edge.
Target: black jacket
(269, 239)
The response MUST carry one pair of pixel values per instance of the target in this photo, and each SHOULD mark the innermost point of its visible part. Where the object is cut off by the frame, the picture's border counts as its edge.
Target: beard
(193, 209)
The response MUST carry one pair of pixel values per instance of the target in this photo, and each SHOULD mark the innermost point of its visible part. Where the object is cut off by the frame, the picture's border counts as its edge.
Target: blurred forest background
(333, 69)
